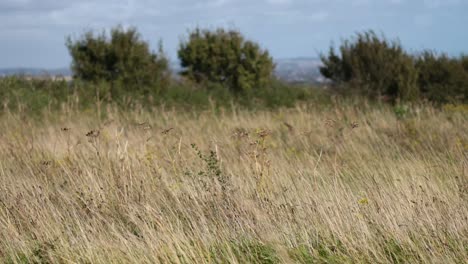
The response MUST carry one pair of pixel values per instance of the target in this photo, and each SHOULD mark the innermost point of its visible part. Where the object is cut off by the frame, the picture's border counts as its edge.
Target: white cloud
(45, 23)
(279, 2)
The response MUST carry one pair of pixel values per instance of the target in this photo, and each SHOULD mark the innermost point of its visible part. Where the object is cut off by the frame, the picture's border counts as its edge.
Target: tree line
(221, 57)
(367, 64)
(373, 66)
(222, 66)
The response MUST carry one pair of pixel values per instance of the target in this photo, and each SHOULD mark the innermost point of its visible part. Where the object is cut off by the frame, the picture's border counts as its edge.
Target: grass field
(349, 183)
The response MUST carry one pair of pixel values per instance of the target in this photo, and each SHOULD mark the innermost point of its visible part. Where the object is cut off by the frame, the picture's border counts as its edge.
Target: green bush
(32, 96)
(372, 66)
(277, 94)
(123, 59)
(443, 79)
(226, 58)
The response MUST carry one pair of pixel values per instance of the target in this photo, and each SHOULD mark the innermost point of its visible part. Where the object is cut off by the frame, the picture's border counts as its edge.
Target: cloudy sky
(33, 32)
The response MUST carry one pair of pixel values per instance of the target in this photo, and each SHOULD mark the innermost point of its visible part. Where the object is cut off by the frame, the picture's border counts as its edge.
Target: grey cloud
(47, 22)
(21, 6)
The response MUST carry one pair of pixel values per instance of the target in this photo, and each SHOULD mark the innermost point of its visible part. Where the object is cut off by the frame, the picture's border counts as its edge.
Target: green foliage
(19, 258)
(34, 96)
(244, 251)
(401, 111)
(395, 252)
(443, 79)
(212, 164)
(319, 254)
(41, 254)
(225, 57)
(302, 254)
(122, 59)
(372, 66)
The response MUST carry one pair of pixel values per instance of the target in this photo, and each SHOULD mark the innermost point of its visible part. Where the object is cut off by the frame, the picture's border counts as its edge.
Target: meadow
(346, 182)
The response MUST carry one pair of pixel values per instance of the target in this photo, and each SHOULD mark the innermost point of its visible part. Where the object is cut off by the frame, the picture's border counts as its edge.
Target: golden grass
(343, 184)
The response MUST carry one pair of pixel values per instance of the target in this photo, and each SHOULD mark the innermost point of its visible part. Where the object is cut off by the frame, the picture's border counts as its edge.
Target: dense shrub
(443, 79)
(123, 59)
(227, 58)
(34, 96)
(222, 68)
(372, 66)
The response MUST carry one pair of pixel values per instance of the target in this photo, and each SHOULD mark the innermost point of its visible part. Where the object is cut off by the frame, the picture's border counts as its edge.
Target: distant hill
(293, 70)
(299, 70)
(296, 70)
(35, 72)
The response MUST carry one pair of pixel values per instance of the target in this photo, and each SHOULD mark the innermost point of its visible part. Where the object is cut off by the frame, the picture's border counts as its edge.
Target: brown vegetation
(344, 184)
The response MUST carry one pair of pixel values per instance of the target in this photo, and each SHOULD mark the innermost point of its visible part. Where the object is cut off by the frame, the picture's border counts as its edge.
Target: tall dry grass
(343, 184)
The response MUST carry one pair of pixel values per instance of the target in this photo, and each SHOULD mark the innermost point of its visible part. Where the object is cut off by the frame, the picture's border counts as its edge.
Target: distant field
(341, 184)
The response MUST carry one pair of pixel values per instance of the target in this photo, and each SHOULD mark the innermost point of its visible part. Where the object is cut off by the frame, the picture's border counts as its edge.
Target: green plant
(302, 254)
(372, 66)
(211, 161)
(400, 111)
(244, 251)
(396, 253)
(225, 57)
(319, 254)
(443, 79)
(20, 258)
(121, 58)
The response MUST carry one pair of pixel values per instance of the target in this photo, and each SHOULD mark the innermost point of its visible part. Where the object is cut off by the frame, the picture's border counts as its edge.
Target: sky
(33, 32)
